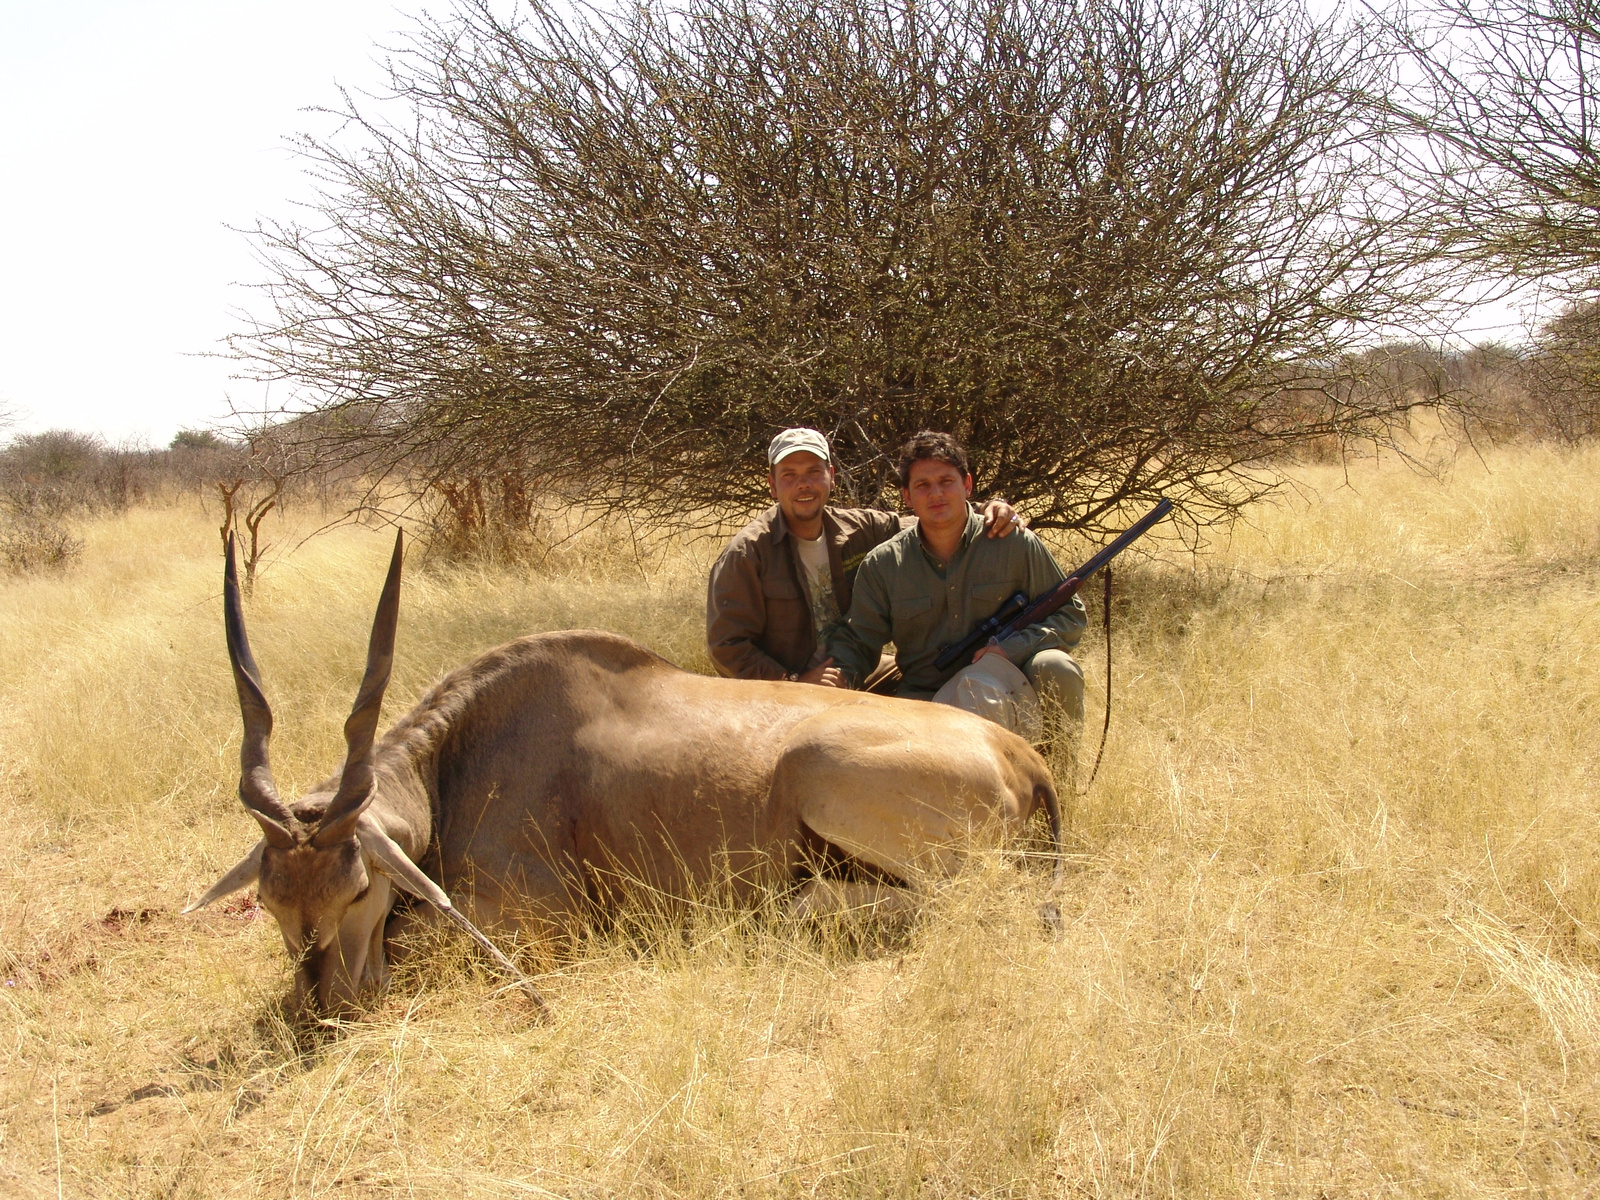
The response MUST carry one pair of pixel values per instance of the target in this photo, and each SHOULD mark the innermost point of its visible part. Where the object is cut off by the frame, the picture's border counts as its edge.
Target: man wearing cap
(783, 582)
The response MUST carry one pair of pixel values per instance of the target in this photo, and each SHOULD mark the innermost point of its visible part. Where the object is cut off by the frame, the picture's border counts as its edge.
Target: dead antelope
(536, 781)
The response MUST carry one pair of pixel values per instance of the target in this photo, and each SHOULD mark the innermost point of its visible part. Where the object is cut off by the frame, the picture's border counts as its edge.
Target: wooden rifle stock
(1017, 613)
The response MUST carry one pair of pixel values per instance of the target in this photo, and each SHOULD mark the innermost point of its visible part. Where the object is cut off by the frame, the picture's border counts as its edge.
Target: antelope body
(536, 783)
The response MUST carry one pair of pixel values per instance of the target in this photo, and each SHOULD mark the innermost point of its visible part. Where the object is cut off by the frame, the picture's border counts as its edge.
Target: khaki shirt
(758, 619)
(902, 594)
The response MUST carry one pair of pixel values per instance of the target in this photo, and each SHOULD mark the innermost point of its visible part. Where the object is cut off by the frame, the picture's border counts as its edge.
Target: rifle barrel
(1064, 591)
(1123, 540)
(1047, 603)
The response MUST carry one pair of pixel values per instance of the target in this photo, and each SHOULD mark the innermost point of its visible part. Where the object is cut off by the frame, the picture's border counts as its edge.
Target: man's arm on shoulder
(858, 642)
(881, 523)
(736, 617)
(1000, 519)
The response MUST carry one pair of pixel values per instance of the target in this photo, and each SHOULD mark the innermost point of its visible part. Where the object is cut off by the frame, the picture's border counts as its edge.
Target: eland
(539, 783)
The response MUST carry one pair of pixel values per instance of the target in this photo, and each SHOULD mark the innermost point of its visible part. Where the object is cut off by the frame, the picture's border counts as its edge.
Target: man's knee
(1058, 679)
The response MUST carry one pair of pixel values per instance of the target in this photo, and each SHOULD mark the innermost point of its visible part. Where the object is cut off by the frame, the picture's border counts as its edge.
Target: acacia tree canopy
(1103, 241)
(1507, 107)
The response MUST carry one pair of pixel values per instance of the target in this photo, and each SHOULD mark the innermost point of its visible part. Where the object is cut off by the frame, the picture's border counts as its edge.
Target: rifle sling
(1105, 729)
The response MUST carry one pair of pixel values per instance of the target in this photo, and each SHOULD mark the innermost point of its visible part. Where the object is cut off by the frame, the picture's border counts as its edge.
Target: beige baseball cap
(791, 440)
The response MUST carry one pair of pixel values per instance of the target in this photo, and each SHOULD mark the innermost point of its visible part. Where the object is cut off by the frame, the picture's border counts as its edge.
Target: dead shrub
(38, 544)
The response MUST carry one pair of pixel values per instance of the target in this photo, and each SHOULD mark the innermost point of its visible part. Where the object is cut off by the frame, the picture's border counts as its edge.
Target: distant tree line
(49, 479)
(1548, 390)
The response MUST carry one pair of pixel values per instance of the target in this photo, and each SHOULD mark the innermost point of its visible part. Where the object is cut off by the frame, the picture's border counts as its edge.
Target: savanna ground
(1331, 916)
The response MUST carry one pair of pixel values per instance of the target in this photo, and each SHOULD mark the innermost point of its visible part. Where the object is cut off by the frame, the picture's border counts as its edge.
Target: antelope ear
(277, 834)
(244, 874)
(397, 865)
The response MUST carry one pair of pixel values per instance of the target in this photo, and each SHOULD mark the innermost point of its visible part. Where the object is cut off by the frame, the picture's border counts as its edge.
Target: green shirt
(904, 595)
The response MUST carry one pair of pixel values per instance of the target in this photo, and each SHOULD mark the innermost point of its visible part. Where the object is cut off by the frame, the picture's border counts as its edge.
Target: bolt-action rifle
(1018, 612)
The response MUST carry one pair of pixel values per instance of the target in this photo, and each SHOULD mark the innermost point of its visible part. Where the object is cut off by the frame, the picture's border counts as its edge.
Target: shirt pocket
(778, 588)
(788, 611)
(911, 618)
(986, 597)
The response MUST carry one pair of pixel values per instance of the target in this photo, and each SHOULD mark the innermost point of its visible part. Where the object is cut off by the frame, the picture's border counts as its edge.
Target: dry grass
(1331, 923)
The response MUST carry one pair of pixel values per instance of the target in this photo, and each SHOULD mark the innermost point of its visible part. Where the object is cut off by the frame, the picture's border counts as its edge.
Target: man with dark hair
(785, 579)
(931, 583)
(931, 443)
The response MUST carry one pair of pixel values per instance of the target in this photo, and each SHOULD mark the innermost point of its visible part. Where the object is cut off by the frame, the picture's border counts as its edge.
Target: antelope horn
(256, 789)
(361, 727)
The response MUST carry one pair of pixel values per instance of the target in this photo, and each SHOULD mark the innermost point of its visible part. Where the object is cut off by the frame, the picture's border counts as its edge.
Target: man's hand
(825, 674)
(992, 647)
(999, 518)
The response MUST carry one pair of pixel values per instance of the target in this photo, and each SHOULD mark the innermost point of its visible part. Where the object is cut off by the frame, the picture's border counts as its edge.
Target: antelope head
(325, 867)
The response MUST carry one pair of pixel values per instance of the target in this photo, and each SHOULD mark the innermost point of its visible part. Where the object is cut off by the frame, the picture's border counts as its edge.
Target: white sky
(132, 134)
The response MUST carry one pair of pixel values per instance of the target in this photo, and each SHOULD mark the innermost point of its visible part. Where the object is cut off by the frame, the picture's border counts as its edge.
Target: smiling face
(937, 493)
(801, 484)
(331, 908)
